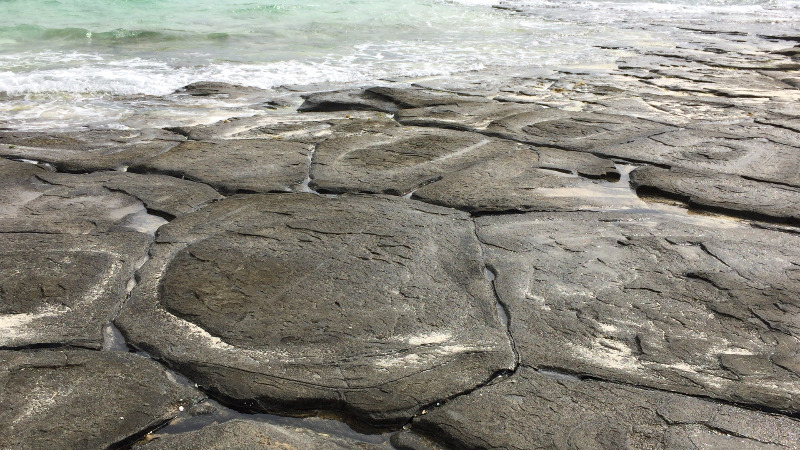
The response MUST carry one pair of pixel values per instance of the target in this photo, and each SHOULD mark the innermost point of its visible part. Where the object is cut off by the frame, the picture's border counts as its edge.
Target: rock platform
(584, 258)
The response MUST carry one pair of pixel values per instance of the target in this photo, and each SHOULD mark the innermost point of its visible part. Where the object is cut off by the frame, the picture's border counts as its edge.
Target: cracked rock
(696, 305)
(163, 194)
(534, 411)
(572, 130)
(235, 165)
(63, 289)
(720, 192)
(531, 180)
(83, 399)
(398, 160)
(250, 434)
(32, 205)
(89, 150)
(373, 305)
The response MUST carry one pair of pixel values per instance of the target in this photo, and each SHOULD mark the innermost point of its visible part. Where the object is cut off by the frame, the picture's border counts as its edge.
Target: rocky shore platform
(575, 259)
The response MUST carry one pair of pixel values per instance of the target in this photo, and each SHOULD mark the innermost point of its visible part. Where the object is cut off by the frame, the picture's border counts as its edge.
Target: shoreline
(462, 261)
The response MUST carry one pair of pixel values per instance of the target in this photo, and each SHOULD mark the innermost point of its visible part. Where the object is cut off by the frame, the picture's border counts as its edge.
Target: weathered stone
(419, 98)
(165, 195)
(34, 206)
(730, 194)
(397, 161)
(696, 305)
(83, 399)
(243, 434)
(88, 150)
(754, 151)
(465, 116)
(235, 165)
(247, 298)
(348, 100)
(531, 180)
(316, 131)
(531, 410)
(573, 130)
(63, 289)
(221, 90)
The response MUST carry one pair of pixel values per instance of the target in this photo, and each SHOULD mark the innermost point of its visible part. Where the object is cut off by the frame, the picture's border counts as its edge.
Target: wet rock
(696, 305)
(251, 434)
(723, 193)
(62, 289)
(408, 440)
(89, 150)
(534, 411)
(248, 299)
(399, 160)
(235, 165)
(572, 130)
(219, 90)
(406, 98)
(83, 399)
(348, 100)
(755, 151)
(531, 180)
(316, 131)
(161, 194)
(33, 205)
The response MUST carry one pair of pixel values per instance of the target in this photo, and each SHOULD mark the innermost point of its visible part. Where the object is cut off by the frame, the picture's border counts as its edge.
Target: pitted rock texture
(83, 399)
(534, 411)
(168, 196)
(88, 150)
(63, 289)
(235, 165)
(398, 160)
(531, 180)
(695, 305)
(243, 434)
(719, 192)
(374, 305)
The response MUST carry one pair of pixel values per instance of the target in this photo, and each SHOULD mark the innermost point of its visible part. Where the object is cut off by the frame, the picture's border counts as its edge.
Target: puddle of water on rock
(211, 412)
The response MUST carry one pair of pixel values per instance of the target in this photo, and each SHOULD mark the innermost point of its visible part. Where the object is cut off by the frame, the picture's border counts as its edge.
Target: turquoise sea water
(61, 61)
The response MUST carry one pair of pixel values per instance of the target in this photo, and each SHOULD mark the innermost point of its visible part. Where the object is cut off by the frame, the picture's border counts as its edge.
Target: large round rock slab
(374, 305)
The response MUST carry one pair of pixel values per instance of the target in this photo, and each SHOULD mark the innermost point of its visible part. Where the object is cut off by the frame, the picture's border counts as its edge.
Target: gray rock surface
(348, 100)
(531, 180)
(466, 116)
(236, 165)
(32, 205)
(374, 305)
(63, 289)
(88, 150)
(83, 399)
(245, 434)
(723, 193)
(696, 305)
(398, 160)
(162, 194)
(530, 410)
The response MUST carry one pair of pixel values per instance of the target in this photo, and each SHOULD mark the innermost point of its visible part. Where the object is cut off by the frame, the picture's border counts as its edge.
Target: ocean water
(71, 63)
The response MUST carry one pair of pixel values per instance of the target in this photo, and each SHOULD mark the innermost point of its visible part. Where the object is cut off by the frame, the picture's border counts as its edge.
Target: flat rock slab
(83, 399)
(163, 194)
(241, 434)
(532, 180)
(88, 150)
(755, 151)
(384, 99)
(572, 130)
(729, 194)
(696, 305)
(64, 289)
(235, 165)
(465, 116)
(535, 411)
(398, 160)
(374, 305)
(33, 205)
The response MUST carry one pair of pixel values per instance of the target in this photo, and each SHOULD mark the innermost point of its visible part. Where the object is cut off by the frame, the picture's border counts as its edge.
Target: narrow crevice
(130, 441)
(52, 345)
